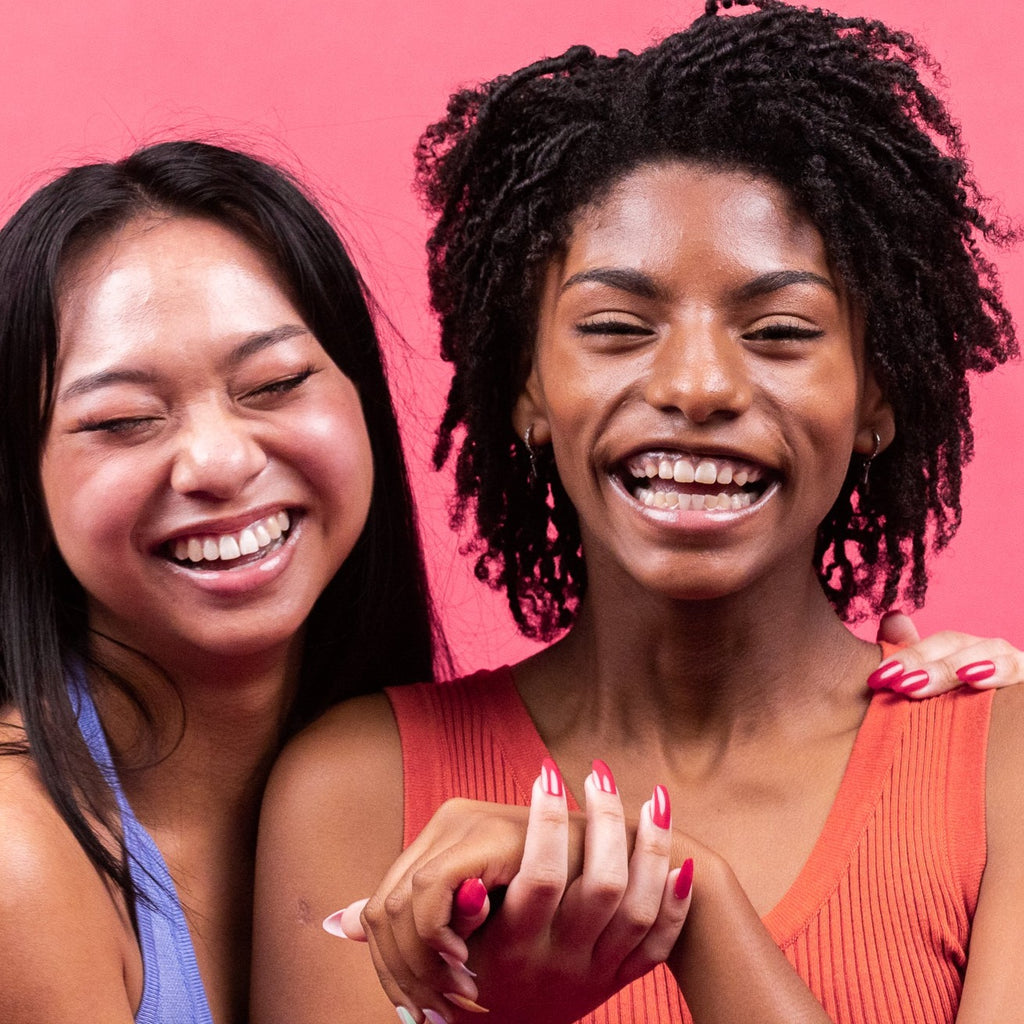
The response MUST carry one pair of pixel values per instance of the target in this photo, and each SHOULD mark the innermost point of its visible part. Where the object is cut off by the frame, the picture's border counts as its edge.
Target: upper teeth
(227, 546)
(688, 469)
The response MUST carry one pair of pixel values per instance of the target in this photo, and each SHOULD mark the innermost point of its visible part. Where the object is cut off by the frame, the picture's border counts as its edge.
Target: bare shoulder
(65, 942)
(330, 828)
(994, 985)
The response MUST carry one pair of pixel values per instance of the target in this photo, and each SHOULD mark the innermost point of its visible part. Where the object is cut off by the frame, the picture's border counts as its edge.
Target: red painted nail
(912, 682)
(470, 896)
(884, 675)
(661, 808)
(684, 880)
(603, 777)
(551, 778)
(976, 672)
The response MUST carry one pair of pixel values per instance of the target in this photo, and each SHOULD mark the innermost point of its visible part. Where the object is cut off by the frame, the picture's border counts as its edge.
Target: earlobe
(528, 414)
(876, 420)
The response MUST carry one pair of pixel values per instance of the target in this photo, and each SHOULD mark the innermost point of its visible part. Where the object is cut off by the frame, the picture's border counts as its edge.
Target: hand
(943, 661)
(568, 944)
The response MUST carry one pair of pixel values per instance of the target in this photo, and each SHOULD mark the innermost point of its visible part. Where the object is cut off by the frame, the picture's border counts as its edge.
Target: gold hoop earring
(865, 477)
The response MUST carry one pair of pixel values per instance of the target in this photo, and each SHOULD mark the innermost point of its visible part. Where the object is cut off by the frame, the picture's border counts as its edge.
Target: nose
(701, 371)
(217, 453)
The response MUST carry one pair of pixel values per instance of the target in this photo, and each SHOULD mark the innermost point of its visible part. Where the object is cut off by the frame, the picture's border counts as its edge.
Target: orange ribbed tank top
(878, 920)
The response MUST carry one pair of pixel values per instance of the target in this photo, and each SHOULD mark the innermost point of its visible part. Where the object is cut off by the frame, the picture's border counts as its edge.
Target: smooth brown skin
(700, 646)
(193, 409)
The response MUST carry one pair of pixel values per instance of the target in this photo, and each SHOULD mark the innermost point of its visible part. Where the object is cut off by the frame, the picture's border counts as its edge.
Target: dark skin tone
(693, 317)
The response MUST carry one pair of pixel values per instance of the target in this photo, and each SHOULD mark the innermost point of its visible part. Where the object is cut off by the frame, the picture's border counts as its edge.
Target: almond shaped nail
(661, 808)
(465, 1003)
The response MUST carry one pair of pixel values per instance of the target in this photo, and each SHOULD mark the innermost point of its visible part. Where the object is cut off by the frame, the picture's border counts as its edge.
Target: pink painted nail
(465, 1003)
(603, 777)
(884, 675)
(912, 682)
(470, 896)
(551, 778)
(684, 880)
(457, 965)
(661, 808)
(976, 672)
(433, 1017)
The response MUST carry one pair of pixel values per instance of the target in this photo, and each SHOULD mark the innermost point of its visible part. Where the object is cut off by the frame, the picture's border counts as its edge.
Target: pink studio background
(340, 91)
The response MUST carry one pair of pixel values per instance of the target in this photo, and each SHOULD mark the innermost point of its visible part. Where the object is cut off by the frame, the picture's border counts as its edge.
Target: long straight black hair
(372, 626)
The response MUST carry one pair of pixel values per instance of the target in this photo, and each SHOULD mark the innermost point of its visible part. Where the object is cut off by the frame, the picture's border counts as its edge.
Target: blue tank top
(172, 991)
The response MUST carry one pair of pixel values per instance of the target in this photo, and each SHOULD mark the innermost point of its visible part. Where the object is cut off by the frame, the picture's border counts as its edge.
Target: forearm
(727, 965)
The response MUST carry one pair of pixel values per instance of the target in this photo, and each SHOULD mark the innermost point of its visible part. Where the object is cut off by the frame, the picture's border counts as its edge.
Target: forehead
(165, 278)
(659, 208)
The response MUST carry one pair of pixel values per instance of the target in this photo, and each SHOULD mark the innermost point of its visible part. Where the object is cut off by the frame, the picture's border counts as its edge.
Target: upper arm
(994, 985)
(65, 943)
(330, 827)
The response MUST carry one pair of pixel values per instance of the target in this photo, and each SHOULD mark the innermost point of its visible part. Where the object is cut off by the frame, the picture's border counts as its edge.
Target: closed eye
(784, 332)
(616, 327)
(282, 386)
(122, 426)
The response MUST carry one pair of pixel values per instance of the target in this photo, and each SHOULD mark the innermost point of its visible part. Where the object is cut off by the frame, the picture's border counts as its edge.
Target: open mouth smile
(693, 483)
(223, 551)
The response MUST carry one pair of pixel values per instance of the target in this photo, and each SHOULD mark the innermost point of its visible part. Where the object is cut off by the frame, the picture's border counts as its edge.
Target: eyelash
(117, 425)
(283, 386)
(615, 327)
(784, 332)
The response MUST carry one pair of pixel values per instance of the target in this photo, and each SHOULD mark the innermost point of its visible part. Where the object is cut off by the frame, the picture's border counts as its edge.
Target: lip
(241, 581)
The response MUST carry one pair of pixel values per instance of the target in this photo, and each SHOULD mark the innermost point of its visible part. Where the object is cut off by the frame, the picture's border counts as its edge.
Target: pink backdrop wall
(340, 91)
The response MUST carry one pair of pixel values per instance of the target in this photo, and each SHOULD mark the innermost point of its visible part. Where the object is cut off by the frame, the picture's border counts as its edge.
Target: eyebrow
(643, 285)
(244, 350)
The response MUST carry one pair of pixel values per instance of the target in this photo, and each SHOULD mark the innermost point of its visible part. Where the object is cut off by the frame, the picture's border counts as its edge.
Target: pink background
(339, 91)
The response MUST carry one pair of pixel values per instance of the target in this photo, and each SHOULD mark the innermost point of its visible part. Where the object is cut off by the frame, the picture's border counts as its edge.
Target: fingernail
(661, 808)
(433, 1017)
(684, 880)
(464, 1003)
(912, 682)
(551, 778)
(456, 964)
(404, 1015)
(332, 924)
(603, 777)
(976, 672)
(470, 896)
(885, 674)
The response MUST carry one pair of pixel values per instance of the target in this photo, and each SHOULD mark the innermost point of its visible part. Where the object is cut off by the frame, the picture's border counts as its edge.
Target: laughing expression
(206, 469)
(699, 371)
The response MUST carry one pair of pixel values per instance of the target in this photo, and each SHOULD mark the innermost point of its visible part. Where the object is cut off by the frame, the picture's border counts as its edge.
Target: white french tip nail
(332, 924)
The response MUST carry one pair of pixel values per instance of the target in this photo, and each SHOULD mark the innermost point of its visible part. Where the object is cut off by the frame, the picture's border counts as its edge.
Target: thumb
(897, 628)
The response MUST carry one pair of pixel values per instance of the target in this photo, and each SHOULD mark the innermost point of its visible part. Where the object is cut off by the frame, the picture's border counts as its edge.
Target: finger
(663, 935)
(641, 903)
(470, 907)
(947, 660)
(897, 628)
(592, 900)
(534, 893)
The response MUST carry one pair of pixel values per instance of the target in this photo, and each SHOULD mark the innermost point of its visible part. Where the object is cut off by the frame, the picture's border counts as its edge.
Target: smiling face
(700, 375)
(207, 469)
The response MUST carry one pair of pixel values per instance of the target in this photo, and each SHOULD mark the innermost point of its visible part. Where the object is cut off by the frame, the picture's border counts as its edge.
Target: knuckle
(543, 882)
(374, 913)
(605, 892)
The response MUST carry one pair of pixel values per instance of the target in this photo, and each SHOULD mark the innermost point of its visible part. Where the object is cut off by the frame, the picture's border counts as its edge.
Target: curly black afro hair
(833, 109)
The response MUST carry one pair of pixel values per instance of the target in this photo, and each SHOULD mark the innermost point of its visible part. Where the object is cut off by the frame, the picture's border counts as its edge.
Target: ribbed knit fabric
(878, 920)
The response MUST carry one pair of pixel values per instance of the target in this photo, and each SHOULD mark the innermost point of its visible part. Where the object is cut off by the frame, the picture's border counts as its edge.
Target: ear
(529, 411)
(876, 417)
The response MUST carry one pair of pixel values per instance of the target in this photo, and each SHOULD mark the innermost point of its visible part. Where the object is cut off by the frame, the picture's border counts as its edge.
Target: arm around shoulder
(330, 827)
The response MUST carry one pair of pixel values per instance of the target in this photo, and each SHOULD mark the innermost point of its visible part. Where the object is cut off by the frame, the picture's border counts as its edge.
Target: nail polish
(456, 965)
(684, 880)
(661, 808)
(885, 675)
(976, 672)
(470, 896)
(551, 778)
(433, 1017)
(465, 1003)
(404, 1015)
(603, 777)
(912, 682)
(332, 924)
